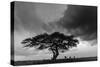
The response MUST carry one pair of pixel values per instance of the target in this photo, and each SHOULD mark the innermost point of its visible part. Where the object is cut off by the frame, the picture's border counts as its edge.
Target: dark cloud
(80, 21)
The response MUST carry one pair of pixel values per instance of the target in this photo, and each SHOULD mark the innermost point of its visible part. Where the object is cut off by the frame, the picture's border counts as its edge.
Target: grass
(34, 62)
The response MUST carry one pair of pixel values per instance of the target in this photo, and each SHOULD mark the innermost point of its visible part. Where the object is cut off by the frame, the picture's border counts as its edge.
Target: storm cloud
(80, 21)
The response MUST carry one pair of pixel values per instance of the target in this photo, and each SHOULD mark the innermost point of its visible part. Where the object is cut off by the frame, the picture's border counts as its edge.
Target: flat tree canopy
(55, 42)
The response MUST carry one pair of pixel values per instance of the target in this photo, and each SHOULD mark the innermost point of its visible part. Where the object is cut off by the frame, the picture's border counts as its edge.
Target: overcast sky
(35, 18)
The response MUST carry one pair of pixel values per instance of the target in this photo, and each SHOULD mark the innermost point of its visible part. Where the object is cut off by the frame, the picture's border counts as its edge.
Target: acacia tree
(55, 42)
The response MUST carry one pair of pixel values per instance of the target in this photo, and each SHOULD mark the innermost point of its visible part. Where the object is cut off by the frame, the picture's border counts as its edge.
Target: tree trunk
(54, 57)
(55, 54)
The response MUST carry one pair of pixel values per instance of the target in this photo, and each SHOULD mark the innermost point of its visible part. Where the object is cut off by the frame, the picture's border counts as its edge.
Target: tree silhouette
(55, 42)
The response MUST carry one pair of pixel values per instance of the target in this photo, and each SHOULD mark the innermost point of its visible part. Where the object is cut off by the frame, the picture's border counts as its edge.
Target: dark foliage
(55, 42)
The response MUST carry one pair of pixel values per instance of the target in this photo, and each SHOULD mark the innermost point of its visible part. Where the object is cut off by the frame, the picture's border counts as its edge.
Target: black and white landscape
(52, 33)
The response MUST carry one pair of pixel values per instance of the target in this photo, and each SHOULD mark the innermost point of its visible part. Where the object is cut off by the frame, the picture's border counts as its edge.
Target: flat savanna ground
(48, 61)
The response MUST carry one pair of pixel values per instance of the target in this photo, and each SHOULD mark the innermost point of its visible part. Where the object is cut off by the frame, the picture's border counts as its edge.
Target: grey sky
(32, 19)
